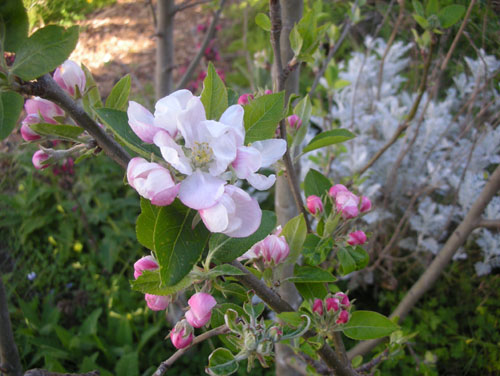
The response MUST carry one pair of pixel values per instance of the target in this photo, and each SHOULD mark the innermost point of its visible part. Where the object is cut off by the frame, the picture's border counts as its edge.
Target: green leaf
(224, 269)
(334, 136)
(144, 226)
(311, 291)
(89, 326)
(311, 274)
(11, 104)
(303, 110)
(70, 132)
(221, 362)
(295, 232)
(118, 98)
(360, 256)
(117, 121)
(296, 40)
(177, 246)
(316, 183)
(340, 84)
(262, 20)
(450, 15)
(421, 21)
(15, 24)
(253, 310)
(214, 94)
(432, 7)
(417, 5)
(226, 249)
(291, 318)
(44, 51)
(347, 262)
(262, 116)
(368, 325)
(149, 283)
(128, 365)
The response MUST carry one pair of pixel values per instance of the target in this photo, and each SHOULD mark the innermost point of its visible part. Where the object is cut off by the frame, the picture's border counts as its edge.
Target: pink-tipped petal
(157, 302)
(318, 306)
(38, 158)
(270, 150)
(142, 122)
(144, 263)
(201, 190)
(336, 189)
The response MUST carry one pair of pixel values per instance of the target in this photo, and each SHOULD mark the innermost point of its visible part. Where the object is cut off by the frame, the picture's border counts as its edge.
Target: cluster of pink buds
(314, 205)
(201, 305)
(271, 251)
(348, 203)
(154, 302)
(356, 238)
(336, 308)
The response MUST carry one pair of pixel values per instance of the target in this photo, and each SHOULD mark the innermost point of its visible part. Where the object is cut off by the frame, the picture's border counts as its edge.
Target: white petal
(189, 119)
(271, 150)
(215, 218)
(247, 215)
(142, 122)
(172, 152)
(248, 160)
(233, 116)
(261, 182)
(224, 149)
(201, 190)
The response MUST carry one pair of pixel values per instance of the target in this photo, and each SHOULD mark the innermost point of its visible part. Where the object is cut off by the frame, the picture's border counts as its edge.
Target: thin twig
(188, 4)
(43, 372)
(372, 363)
(153, 13)
(164, 366)
(491, 224)
(208, 37)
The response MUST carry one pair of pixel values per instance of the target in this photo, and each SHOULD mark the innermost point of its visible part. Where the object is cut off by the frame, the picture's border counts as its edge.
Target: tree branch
(47, 88)
(188, 4)
(164, 366)
(208, 37)
(43, 372)
(491, 224)
(279, 305)
(372, 363)
(9, 356)
(432, 273)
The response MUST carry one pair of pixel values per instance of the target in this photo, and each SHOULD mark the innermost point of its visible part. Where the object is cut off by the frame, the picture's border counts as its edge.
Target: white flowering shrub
(456, 141)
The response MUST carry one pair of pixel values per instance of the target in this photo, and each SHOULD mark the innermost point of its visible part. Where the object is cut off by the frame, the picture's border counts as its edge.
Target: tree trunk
(164, 47)
(291, 12)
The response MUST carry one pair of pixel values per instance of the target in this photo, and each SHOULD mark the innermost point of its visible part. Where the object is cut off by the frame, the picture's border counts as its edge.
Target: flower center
(201, 154)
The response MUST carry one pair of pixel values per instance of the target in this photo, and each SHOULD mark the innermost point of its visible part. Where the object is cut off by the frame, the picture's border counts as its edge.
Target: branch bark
(9, 356)
(166, 10)
(43, 372)
(432, 273)
(208, 37)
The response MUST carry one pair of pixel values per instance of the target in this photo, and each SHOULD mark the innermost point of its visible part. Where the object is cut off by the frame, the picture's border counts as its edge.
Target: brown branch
(403, 126)
(43, 372)
(47, 88)
(188, 4)
(279, 305)
(153, 13)
(208, 37)
(436, 268)
(457, 37)
(372, 363)
(9, 356)
(164, 366)
(490, 224)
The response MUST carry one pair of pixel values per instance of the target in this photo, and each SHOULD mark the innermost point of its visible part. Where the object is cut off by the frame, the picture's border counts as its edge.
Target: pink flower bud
(357, 238)
(318, 306)
(314, 204)
(267, 92)
(181, 335)
(145, 263)
(27, 133)
(152, 181)
(157, 302)
(347, 204)
(294, 121)
(336, 189)
(68, 76)
(343, 317)
(273, 249)
(38, 158)
(44, 109)
(245, 99)
(201, 309)
(332, 304)
(366, 204)
(343, 298)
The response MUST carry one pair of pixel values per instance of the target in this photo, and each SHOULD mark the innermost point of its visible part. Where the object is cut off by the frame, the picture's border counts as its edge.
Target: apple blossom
(157, 302)
(357, 238)
(314, 204)
(181, 335)
(343, 298)
(38, 158)
(152, 181)
(318, 306)
(236, 214)
(273, 249)
(70, 75)
(44, 109)
(294, 121)
(343, 317)
(336, 189)
(347, 204)
(201, 305)
(26, 132)
(332, 304)
(244, 99)
(144, 263)
(366, 204)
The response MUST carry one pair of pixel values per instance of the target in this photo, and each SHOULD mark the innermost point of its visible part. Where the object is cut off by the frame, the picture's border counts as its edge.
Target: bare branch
(491, 224)
(153, 13)
(188, 4)
(164, 366)
(208, 37)
(43, 372)
(432, 273)
(372, 363)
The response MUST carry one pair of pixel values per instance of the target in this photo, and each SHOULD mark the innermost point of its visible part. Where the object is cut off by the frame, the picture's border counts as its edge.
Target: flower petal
(261, 182)
(247, 215)
(201, 190)
(142, 122)
(215, 218)
(172, 152)
(233, 116)
(271, 150)
(248, 160)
